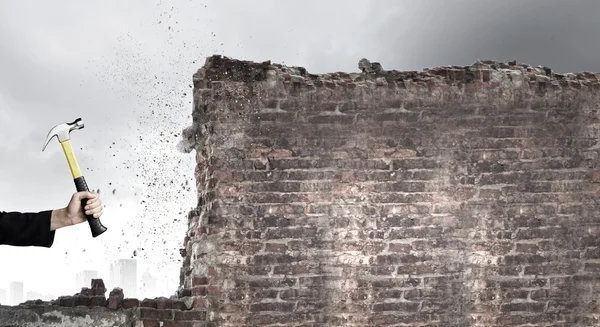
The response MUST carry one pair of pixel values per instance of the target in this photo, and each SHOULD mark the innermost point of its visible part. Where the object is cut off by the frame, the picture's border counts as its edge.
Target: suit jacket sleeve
(26, 229)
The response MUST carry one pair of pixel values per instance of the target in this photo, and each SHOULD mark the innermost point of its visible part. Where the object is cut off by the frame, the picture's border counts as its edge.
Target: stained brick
(400, 248)
(273, 306)
(151, 323)
(151, 313)
(523, 307)
(131, 303)
(396, 306)
(148, 303)
(190, 315)
(97, 301)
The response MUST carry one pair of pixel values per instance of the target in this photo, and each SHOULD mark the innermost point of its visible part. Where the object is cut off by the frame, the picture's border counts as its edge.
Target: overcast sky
(125, 68)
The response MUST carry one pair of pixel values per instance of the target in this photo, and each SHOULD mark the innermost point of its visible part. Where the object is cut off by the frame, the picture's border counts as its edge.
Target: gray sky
(125, 67)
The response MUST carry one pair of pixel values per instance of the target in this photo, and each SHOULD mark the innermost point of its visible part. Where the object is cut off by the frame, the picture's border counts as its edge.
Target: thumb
(83, 195)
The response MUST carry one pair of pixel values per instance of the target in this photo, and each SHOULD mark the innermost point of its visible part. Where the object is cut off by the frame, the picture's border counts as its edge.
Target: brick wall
(91, 308)
(453, 196)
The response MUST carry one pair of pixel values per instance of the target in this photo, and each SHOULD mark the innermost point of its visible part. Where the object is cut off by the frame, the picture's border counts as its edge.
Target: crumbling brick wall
(91, 308)
(453, 196)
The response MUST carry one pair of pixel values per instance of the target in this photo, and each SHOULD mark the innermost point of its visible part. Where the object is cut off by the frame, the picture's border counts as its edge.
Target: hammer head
(61, 131)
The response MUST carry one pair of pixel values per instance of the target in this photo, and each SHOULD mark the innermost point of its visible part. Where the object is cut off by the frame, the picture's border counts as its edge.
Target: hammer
(62, 132)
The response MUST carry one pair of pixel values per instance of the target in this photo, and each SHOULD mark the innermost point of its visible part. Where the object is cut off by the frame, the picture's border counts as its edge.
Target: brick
(265, 294)
(151, 323)
(67, 301)
(199, 281)
(421, 269)
(294, 269)
(592, 267)
(199, 291)
(213, 290)
(524, 259)
(130, 303)
(394, 259)
(98, 287)
(391, 282)
(276, 247)
(397, 306)
(190, 315)
(97, 301)
(596, 177)
(179, 305)
(387, 294)
(511, 270)
(82, 300)
(552, 269)
(163, 303)
(148, 303)
(523, 307)
(272, 306)
(417, 232)
(187, 324)
(151, 313)
(115, 298)
(406, 319)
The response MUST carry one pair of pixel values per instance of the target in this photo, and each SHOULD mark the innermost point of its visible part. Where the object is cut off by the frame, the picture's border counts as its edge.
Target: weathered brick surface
(90, 307)
(45, 315)
(454, 196)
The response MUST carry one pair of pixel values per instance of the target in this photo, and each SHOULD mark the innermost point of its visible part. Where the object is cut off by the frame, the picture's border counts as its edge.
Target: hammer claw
(48, 138)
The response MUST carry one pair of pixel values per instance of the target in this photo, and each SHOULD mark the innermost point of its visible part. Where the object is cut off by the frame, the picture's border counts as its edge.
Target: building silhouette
(149, 286)
(84, 279)
(16, 293)
(123, 274)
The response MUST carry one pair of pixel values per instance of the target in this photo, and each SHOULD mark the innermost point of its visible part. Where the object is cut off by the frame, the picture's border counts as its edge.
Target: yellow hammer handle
(68, 149)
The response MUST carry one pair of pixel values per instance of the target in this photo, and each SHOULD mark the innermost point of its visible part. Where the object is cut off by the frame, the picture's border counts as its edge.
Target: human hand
(73, 214)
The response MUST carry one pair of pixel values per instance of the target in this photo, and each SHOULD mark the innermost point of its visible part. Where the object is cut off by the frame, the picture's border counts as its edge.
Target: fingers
(95, 211)
(93, 199)
(93, 205)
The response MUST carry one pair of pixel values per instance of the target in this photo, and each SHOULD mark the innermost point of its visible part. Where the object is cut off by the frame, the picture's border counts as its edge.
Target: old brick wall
(453, 196)
(91, 308)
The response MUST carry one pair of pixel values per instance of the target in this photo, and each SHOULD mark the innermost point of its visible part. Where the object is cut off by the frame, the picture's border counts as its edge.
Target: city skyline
(16, 292)
(84, 279)
(122, 273)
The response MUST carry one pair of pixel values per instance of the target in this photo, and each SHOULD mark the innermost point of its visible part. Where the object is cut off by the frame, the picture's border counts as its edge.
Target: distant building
(3, 296)
(16, 293)
(84, 279)
(123, 274)
(149, 287)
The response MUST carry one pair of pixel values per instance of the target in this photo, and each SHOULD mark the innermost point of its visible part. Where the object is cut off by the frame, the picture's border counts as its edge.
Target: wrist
(59, 219)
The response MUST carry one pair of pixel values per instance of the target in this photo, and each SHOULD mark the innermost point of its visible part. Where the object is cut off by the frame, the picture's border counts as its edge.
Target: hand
(73, 214)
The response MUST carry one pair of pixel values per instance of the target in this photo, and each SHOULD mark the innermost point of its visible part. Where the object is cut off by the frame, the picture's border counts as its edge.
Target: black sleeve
(26, 229)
